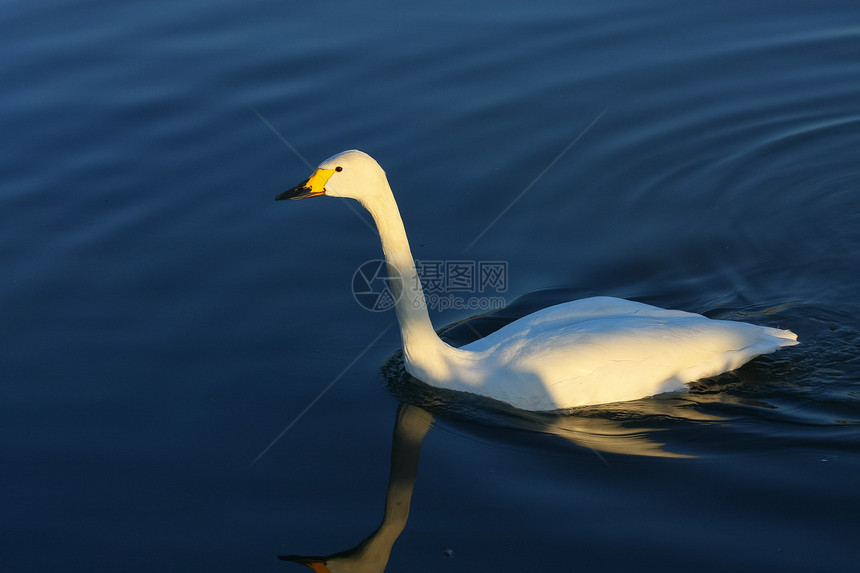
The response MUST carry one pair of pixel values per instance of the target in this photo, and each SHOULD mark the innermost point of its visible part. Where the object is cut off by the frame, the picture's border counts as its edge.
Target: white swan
(585, 352)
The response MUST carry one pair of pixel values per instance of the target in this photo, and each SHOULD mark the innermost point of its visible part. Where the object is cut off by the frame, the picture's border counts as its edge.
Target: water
(164, 320)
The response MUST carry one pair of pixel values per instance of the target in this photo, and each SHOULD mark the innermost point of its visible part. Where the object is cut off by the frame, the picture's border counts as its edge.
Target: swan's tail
(783, 337)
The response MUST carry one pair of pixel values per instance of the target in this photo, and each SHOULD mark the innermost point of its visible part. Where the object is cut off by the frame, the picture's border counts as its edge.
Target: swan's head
(352, 174)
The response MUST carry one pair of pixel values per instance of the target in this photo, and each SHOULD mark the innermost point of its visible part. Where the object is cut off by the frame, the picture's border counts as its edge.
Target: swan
(585, 352)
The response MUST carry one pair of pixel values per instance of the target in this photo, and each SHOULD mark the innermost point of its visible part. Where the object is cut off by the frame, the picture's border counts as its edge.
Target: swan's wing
(566, 314)
(610, 350)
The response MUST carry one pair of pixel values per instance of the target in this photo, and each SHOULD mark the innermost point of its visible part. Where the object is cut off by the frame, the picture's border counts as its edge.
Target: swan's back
(602, 349)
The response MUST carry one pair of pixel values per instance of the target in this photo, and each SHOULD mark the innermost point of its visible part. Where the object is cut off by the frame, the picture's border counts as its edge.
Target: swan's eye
(338, 168)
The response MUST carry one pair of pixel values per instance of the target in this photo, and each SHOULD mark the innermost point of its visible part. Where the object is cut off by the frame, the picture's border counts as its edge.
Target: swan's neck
(421, 344)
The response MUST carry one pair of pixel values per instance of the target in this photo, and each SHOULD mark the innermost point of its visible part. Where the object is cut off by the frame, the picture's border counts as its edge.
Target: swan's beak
(313, 186)
(315, 563)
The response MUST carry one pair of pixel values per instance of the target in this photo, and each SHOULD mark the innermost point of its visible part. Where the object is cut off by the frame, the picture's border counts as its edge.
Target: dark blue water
(164, 320)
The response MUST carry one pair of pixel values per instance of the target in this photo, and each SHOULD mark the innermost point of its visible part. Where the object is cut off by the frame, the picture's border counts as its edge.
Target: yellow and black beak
(313, 186)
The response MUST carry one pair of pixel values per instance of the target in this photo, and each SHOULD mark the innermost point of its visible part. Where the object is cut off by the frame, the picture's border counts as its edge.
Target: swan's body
(585, 352)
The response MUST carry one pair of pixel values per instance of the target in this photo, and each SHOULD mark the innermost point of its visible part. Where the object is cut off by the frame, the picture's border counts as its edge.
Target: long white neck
(421, 344)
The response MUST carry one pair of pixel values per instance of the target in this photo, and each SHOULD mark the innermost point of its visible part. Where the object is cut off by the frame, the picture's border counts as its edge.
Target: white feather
(585, 352)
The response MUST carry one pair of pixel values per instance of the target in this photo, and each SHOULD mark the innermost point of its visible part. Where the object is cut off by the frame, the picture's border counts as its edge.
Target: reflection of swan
(590, 351)
(372, 554)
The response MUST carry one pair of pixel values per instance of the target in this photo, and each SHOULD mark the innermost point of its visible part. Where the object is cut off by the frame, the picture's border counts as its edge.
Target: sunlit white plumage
(585, 352)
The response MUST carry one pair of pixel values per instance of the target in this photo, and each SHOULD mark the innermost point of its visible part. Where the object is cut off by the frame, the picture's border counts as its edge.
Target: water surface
(164, 320)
